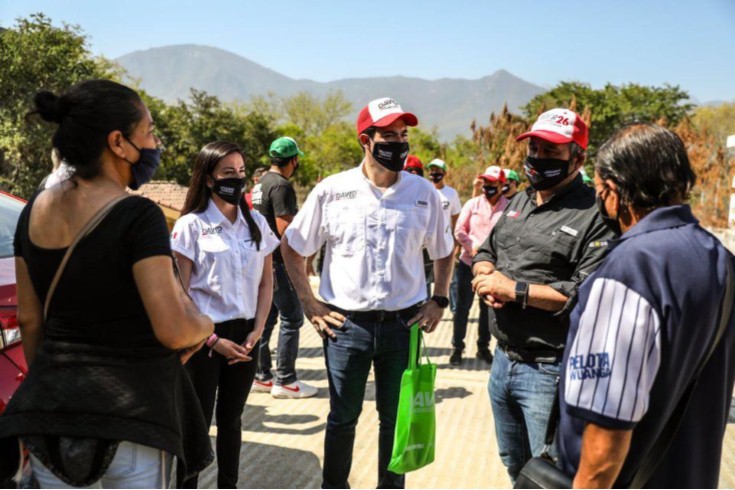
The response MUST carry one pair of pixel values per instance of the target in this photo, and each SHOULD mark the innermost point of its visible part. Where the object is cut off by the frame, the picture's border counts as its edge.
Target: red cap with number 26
(559, 126)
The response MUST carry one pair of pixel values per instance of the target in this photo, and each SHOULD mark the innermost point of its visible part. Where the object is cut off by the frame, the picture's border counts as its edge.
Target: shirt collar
(369, 183)
(574, 185)
(661, 219)
(215, 216)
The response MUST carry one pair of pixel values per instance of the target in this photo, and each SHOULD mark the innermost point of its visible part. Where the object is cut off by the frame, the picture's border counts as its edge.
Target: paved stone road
(283, 439)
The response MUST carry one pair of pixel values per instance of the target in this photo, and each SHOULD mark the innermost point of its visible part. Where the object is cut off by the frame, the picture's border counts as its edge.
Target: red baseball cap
(559, 126)
(413, 162)
(383, 112)
(494, 174)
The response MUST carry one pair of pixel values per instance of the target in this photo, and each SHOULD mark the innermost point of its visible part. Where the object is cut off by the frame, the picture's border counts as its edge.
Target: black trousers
(214, 379)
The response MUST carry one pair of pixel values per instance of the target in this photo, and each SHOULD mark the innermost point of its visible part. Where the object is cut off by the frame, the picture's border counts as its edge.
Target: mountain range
(449, 104)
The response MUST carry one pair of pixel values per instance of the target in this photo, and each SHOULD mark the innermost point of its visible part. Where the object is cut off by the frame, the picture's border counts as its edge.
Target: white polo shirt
(374, 241)
(451, 204)
(228, 266)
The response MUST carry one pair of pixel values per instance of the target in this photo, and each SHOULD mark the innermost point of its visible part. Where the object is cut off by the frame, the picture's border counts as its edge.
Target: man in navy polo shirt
(645, 321)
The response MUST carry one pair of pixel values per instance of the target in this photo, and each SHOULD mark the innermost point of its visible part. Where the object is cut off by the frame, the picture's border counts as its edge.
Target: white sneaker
(262, 386)
(294, 390)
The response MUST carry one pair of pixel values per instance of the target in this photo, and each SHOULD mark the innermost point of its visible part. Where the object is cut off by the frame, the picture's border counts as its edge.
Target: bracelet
(211, 347)
(211, 340)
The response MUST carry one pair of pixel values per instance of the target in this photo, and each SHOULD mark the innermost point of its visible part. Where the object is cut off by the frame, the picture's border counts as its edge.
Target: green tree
(613, 106)
(36, 55)
(189, 125)
(313, 115)
(717, 120)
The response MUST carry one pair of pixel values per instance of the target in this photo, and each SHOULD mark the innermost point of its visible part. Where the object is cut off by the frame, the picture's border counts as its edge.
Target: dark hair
(281, 162)
(648, 163)
(259, 171)
(197, 198)
(86, 114)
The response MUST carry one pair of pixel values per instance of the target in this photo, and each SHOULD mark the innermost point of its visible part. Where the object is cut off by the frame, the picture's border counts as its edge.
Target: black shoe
(485, 355)
(456, 358)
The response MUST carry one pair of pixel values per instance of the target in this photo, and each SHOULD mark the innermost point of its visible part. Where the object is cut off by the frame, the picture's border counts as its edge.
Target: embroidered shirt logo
(212, 230)
(513, 214)
(345, 195)
(569, 231)
(598, 244)
(422, 204)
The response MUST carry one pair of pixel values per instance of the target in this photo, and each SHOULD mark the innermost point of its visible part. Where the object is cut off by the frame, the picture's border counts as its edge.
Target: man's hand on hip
(428, 316)
(323, 319)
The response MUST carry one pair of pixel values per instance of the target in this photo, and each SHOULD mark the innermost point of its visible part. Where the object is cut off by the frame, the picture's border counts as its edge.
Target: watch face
(442, 301)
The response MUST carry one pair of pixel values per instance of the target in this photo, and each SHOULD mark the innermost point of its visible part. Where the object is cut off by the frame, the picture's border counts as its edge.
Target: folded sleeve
(184, 237)
(438, 239)
(306, 233)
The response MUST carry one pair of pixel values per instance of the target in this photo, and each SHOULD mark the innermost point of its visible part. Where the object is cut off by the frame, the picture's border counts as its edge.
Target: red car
(13, 366)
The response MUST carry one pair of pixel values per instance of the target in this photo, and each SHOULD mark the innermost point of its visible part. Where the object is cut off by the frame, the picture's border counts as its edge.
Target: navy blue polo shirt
(644, 322)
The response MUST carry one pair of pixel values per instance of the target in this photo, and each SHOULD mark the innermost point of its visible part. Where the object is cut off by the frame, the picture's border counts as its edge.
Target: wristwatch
(522, 293)
(441, 301)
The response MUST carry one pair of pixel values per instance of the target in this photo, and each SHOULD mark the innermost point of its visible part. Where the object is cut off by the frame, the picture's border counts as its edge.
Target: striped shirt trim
(615, 354)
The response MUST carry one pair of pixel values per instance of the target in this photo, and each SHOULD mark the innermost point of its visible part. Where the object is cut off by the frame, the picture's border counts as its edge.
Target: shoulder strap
(659, 450)
(86, 230)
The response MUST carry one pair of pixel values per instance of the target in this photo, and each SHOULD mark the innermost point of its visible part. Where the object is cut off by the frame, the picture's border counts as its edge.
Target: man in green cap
(512, 181)
(275, 198)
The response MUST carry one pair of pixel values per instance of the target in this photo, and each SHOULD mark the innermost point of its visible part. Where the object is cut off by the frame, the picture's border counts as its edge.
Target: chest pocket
(408, 225)
(214, 257)
(346, 227)
(552, 253)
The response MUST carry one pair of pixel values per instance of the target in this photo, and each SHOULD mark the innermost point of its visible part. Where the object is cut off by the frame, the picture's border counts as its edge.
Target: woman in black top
(106, 399)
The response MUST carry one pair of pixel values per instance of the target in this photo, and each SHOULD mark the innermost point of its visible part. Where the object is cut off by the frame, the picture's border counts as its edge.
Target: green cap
(285, 147)
(511, 175)
(437, 163)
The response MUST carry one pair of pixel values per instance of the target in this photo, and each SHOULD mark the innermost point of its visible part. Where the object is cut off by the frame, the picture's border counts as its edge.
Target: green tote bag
(413, 446)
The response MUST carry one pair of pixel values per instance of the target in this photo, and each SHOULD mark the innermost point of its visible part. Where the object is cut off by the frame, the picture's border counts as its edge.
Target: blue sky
(687, 43)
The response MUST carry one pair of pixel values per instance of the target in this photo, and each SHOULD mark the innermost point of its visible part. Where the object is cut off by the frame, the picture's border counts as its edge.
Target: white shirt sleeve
(455, 205)
(306, 233)
(439, 240)
(270, 241)
(615, 355)
(184, 237)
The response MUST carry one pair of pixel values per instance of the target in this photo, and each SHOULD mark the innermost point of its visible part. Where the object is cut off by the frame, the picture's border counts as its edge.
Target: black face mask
(436, 178)
(506, 188)
(230, 189)
(489, 191)
(545, 173)
(612, 223)
(390, 155)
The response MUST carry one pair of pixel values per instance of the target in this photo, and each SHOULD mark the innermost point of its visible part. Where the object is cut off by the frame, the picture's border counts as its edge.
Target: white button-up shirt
(374, 241)
(450, 201)
(228, 266)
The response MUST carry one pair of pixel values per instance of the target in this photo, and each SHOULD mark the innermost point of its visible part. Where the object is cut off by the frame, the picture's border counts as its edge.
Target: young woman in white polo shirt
(224, 253)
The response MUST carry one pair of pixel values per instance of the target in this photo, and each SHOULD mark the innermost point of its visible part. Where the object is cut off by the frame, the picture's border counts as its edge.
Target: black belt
(526, 355)
(377, 316)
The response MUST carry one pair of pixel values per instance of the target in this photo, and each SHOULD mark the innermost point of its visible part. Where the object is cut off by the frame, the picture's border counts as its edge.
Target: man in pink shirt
(476, 220)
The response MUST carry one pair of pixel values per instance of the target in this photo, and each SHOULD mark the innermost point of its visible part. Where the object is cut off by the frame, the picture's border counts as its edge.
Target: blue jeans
(134, 466)
(464, 296)
(348, 359)
(287, 304)
(521, 394)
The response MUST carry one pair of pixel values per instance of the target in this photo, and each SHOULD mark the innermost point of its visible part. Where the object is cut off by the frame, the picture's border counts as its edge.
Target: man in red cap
(550, 238)
(414, 166)
(375, 221)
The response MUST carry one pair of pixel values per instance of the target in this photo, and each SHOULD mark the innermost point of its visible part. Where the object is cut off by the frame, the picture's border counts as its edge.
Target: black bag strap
(659, 450)
(86, 230)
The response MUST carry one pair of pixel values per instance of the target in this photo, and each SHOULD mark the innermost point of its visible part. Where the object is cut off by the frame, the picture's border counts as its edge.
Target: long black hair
(197, 199)
(86, 114)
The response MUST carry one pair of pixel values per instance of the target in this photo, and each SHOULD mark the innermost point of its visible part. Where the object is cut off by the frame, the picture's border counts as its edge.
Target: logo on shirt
(422, 204)
(513, 214)
(345, 195)
(445, 204)
(174, 235)
(598, 244)
(212, 230)
(589, 366)
(569, 231)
